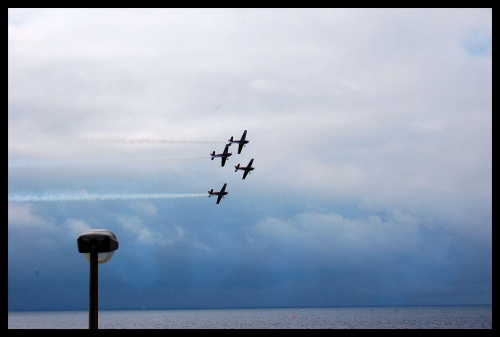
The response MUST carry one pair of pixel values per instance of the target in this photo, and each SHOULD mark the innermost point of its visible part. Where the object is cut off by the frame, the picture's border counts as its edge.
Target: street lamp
(98, 245)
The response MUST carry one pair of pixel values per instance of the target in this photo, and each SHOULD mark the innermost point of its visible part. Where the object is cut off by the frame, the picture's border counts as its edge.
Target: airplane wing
(250, 163)
(223, 188)
(226, 148)
(223, 161)
(242, 141)
(245, 174)
(219, 198)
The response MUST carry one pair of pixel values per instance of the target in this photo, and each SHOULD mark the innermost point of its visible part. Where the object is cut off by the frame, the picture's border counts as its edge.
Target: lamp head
(101, 241)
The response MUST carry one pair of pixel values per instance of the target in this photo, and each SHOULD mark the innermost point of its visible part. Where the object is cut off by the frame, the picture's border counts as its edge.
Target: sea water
(407, 317)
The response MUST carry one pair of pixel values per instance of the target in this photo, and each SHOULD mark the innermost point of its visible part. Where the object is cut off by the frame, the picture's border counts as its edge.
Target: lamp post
(98, 246)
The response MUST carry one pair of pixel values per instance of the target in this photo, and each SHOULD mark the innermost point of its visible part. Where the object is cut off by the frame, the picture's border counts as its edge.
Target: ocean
(403, 317)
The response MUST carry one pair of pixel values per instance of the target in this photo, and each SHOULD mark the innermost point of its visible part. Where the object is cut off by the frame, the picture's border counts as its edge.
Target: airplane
(221, 194)
(247, 169)
(240, 142)
(224, 155)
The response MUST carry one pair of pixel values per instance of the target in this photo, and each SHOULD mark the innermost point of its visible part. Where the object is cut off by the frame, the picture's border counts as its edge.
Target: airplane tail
(212, 154)
(231, 139)
(236, 168)
(210, 192)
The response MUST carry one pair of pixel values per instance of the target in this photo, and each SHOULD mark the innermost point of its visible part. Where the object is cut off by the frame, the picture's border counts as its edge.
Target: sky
(370, 130)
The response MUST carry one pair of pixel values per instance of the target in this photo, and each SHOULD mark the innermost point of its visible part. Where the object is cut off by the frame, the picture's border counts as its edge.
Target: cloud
(145, 207)
(372, 145)
(135, 226)
(77, 226)
(24, 216)
(326, 236)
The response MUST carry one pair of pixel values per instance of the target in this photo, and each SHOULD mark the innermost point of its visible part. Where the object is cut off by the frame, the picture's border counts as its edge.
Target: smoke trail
(162, 159)
(108, 140)
(90, 197)
(75, 162)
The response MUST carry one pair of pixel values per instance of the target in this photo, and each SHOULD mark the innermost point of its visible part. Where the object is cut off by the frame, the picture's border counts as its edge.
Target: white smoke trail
(108, 140)
(76, 162)
(90, 197)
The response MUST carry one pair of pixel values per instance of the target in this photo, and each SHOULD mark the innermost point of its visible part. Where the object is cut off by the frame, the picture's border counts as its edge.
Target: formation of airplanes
(224, 156)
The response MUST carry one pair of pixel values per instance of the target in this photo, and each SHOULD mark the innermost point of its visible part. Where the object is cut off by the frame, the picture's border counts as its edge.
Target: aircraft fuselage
(238, 141)
(221, 155)
(245, 168)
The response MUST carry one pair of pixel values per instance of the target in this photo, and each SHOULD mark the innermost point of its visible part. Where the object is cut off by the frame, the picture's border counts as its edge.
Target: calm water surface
(429, 317)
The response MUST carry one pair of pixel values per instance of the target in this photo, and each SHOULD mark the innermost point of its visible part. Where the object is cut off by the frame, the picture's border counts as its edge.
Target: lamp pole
(94, 290)
(98, 246)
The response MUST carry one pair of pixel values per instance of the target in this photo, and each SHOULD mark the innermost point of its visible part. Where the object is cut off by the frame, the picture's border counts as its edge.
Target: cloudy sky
(370, 130)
